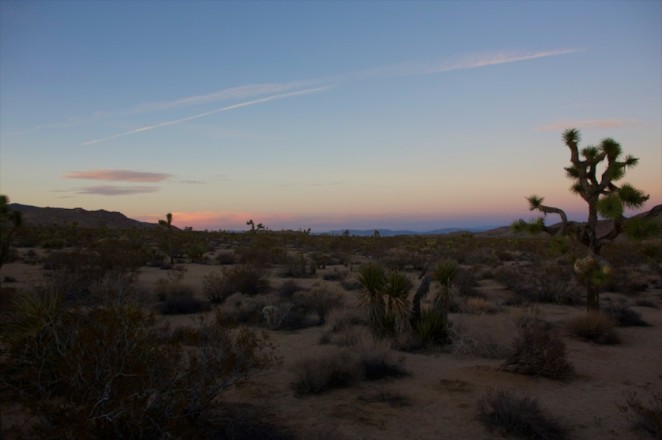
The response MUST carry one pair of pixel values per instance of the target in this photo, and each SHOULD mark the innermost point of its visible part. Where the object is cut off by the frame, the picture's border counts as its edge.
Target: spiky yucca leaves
(445, 274)
(386, 296)
(372, 278)
(595, 172)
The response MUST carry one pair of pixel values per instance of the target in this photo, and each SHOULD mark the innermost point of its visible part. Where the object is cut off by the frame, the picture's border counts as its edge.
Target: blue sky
(322, 114)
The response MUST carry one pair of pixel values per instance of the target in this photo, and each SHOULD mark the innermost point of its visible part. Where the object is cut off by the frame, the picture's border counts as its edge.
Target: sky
(322, 114)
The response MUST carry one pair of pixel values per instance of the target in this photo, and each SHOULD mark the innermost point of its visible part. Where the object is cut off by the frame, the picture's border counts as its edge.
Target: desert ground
(500, 282)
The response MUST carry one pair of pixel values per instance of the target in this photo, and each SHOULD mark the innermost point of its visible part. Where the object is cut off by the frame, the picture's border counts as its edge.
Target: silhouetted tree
(594, 172)
(10, 221)
(168, 224)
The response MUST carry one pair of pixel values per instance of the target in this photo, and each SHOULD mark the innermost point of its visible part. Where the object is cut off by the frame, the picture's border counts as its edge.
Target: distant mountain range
(36, 216)
(393, 233)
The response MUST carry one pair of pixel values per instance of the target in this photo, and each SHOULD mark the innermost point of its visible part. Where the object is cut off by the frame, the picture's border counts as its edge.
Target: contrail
(202, 115)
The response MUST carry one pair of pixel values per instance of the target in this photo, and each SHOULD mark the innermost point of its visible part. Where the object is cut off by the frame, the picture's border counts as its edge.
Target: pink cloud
(111, 190)
(118, 175)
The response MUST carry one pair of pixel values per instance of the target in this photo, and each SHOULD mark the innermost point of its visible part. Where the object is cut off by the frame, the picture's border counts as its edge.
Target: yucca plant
(445, 274)
(386, 296)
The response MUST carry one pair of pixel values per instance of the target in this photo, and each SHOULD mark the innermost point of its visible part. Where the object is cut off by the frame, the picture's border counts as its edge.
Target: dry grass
(594, 327)
(505, 412)
(538, 350)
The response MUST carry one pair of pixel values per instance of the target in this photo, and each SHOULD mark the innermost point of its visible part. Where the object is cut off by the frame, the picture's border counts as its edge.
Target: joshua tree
(10, 221)
(594, 172)
(168, 223)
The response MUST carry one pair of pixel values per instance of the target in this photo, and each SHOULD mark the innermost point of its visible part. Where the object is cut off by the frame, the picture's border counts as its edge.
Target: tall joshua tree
(168, 224)
(594, 171)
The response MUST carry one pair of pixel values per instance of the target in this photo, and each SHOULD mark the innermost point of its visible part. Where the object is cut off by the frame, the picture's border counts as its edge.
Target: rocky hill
(35, 216)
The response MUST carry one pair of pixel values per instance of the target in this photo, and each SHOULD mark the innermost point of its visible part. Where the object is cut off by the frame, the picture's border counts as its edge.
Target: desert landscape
(515, 354)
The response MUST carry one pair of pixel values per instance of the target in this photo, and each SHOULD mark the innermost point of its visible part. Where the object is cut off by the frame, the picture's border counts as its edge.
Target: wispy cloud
(116, 190)
(202, 115)
(589, 124)
(240, 92)
(290, 185)
(279, 90)
(192, 182)
(118, 175)
(473, 61)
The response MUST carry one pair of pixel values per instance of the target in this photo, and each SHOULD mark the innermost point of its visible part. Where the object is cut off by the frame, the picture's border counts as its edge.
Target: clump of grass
(504, 411)
(318, 374)
(376, 363)
(288, 289)
(645, 416)
(594, 327)
(625, 316)
(245, 279)
(538, 350)
(476, 342)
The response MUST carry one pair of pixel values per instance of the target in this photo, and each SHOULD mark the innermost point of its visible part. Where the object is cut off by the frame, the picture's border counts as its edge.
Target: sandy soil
(443, 387)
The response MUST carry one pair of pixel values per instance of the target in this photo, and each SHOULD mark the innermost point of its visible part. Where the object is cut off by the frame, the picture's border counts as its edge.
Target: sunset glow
(325, 115)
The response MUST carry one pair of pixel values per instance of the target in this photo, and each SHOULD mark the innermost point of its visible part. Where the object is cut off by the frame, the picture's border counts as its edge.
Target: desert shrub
(340, 320)
(538, 350)
(504, 411)
(334, 275)
(476, 342)
(624, 316)
(245, 279)
(288, 288)
(242, 308)
(214, 288)
(349, 282)
(625, 282)
(286, 316)
(378, 363)
(433, 327)
(183, 302)
(298, 266)
(594, 327)
(396, 259)
(319, 300)
(226, 258)
(554, 285)
(466, 283)
(318, 374)
(321, 259)
(138, 383)
(645, 416)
